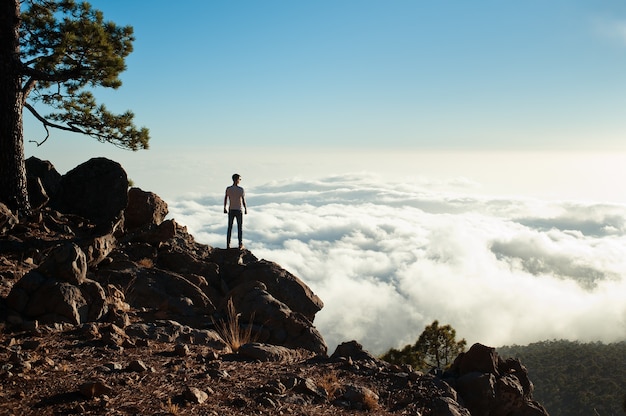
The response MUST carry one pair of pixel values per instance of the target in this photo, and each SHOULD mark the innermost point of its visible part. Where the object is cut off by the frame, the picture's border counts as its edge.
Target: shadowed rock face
(44, 171)
(43, 181)
(492, 386)
(144, 208)
(96, 190)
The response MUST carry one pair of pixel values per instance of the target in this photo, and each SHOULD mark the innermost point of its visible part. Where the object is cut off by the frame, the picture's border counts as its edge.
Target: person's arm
(225, 199)
(243, 201)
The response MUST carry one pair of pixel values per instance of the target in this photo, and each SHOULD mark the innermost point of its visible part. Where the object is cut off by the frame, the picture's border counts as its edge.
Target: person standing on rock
(236, 199)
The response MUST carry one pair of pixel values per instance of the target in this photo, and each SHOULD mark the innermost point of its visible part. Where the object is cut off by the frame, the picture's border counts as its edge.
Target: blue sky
(486, 74)
(219, 79)
(372, 73)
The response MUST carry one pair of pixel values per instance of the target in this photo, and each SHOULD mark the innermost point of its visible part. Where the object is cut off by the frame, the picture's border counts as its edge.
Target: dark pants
(232, 214)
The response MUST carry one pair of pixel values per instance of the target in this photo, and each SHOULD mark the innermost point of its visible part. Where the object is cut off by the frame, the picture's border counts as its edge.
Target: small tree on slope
(436, 347)
(52, 52)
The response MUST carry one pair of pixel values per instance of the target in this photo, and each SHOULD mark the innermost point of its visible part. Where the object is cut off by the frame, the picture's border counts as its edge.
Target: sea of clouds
(389, 258)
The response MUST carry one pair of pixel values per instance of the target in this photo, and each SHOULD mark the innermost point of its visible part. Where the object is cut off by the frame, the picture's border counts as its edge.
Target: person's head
(236, 177)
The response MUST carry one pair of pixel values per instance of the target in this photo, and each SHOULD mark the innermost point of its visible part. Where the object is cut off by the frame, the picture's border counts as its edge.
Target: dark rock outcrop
(351, 350)
(155, 262)
(280, 324)
(144, 209)
(491, 386)
(43, 181)
(45, 172)
(59, 290)
(284, 286)
(96, 190)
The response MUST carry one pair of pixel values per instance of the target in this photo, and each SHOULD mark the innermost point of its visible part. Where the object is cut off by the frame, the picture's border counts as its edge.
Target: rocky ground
(68, 371)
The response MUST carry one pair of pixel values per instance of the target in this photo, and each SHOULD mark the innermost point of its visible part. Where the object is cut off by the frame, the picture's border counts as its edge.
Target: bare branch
(47, 123)
(45, 138)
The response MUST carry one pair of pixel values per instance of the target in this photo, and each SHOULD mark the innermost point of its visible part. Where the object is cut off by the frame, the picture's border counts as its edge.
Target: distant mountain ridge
(573, 378)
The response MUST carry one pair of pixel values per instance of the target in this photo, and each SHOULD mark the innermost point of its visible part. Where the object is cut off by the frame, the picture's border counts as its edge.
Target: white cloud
(389, 258)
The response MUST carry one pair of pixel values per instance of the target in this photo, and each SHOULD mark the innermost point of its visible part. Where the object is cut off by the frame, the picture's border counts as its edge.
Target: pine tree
(52, 52)
(436, 347)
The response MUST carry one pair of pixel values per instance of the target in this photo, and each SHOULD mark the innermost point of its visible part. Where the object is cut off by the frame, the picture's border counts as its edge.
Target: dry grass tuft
(146, 263)
(330, 383)
(370, 402)
(170, 408)
(231, 331)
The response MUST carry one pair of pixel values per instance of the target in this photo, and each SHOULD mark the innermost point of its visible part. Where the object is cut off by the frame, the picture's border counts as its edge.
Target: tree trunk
(13, 190)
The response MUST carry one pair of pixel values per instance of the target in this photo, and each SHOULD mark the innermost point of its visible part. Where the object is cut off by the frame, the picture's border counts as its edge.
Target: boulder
(154, 234)
(21, 291)
(229, 260)
(98, 248)
(45, 172)
(479, 358)
(166, 291)
(195, 395)
(59, 290)
(478, 390)
(144, 208)
(66, 263)
(267, 352)
(509, 395)
(182, 261)
(96, 190)
(283, 285)
(96, 298)
(48, 300)
(490, 386)
(515, 367)
(445, 406)
(282, 325)
(352, 350)
(114, 335)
